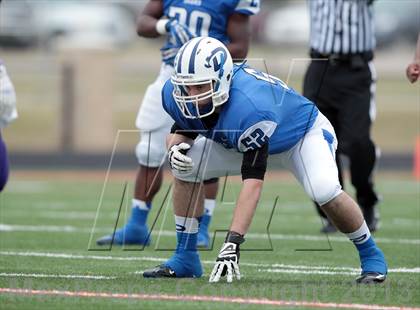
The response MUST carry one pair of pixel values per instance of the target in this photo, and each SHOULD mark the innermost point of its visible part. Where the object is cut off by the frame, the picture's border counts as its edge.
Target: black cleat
(160, 271)
(371, 278)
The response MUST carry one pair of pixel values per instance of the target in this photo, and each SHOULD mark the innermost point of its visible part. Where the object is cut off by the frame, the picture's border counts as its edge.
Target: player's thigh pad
(211, 160)
(151, 150)
(312, 161)
(151, 115)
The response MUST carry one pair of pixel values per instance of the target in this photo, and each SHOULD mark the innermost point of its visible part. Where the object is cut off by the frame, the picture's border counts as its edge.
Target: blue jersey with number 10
(208, 18)
(261, 109)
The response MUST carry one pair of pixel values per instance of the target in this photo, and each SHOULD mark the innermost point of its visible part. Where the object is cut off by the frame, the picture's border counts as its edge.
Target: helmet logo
(217, 63)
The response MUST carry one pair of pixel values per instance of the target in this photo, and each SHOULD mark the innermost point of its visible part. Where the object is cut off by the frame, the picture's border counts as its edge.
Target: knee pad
(151, 150)
(323, 190)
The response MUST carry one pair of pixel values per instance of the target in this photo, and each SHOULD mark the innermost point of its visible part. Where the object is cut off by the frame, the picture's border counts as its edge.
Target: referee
(341, 81)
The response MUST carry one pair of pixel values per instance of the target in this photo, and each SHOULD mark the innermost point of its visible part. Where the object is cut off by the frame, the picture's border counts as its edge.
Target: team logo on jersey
(217, 59)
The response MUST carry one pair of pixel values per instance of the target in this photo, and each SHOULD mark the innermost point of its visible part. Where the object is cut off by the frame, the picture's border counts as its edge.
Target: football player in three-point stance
(245, 117)
(8, 113)
(180, 21)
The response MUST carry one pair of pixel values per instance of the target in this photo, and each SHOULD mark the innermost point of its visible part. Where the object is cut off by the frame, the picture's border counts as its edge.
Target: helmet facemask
(191, 106)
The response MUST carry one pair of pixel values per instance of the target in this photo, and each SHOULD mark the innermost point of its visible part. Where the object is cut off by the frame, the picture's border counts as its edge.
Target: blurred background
(80, 72)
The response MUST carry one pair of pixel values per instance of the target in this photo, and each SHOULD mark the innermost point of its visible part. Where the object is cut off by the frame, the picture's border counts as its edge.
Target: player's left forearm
(246, 205)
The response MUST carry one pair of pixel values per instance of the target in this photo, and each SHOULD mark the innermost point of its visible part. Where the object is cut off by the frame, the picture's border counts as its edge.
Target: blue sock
(139, 212)
(371, 257)
(186, 242)
(186, 261)
(209, 205)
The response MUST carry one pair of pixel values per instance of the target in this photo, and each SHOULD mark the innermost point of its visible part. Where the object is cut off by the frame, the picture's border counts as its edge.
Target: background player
(8, 113)
(179, 20)
(245, 116)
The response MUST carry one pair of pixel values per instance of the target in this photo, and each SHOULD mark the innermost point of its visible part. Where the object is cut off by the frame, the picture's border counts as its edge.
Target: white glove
(8, 110)
(227, 262)
(178, 158)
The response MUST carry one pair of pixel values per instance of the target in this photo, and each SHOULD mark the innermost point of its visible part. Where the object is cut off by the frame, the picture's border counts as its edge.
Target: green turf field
(46, 223)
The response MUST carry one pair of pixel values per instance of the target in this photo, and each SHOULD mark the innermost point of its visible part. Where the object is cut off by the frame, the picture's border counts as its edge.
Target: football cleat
(371, 278)
(180, 265)
(374, 266)
(129, 234)
(160, 271)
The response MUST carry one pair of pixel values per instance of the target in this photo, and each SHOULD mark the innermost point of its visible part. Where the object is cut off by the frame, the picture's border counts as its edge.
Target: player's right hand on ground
(178, 158)
(227, 263)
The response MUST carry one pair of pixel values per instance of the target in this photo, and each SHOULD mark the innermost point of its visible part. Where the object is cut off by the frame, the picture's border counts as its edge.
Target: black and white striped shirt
(341, 26)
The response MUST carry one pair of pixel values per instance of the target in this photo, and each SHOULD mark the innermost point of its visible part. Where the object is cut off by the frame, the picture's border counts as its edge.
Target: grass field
(46, 222)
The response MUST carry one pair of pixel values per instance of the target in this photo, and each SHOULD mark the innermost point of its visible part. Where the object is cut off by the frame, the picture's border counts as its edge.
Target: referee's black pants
(343, 93)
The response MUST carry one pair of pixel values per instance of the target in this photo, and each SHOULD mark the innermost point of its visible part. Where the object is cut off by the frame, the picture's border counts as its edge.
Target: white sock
(187, 225)
(135, 203)
(209, 205)
(361, 235)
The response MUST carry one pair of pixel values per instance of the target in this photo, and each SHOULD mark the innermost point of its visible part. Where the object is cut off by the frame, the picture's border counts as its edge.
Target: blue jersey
(208, 18)
(260, 109)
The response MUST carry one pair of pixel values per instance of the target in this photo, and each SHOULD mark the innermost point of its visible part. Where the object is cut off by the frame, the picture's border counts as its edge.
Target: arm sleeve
(254, 163)
(179, 130)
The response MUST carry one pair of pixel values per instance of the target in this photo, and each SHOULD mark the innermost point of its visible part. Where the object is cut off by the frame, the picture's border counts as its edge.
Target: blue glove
(178, 34)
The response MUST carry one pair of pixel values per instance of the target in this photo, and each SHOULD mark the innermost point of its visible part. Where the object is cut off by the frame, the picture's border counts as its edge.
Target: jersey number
(255, 140)
(198, 22)
(266, 77)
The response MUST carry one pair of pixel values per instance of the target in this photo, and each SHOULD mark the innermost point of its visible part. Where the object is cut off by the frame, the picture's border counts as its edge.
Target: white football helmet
(200, 61)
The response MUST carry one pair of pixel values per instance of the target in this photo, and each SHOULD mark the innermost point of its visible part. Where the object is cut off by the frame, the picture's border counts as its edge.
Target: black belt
(352, 58)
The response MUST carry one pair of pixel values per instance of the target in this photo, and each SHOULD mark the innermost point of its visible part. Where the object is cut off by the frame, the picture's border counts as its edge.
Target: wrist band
(234, 237)
(161, 26)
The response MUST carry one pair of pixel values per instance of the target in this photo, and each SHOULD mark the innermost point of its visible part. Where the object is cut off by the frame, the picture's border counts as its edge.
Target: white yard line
(202, 298)
(263, 267)
(73, 229)
(60, 276)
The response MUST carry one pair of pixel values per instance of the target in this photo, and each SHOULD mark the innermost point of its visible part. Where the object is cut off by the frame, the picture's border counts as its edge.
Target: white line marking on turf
(73, 229)
(300, 271)
(269, 267)
(203, 298)
(60, 276)
(76, 256)
(49, 228)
